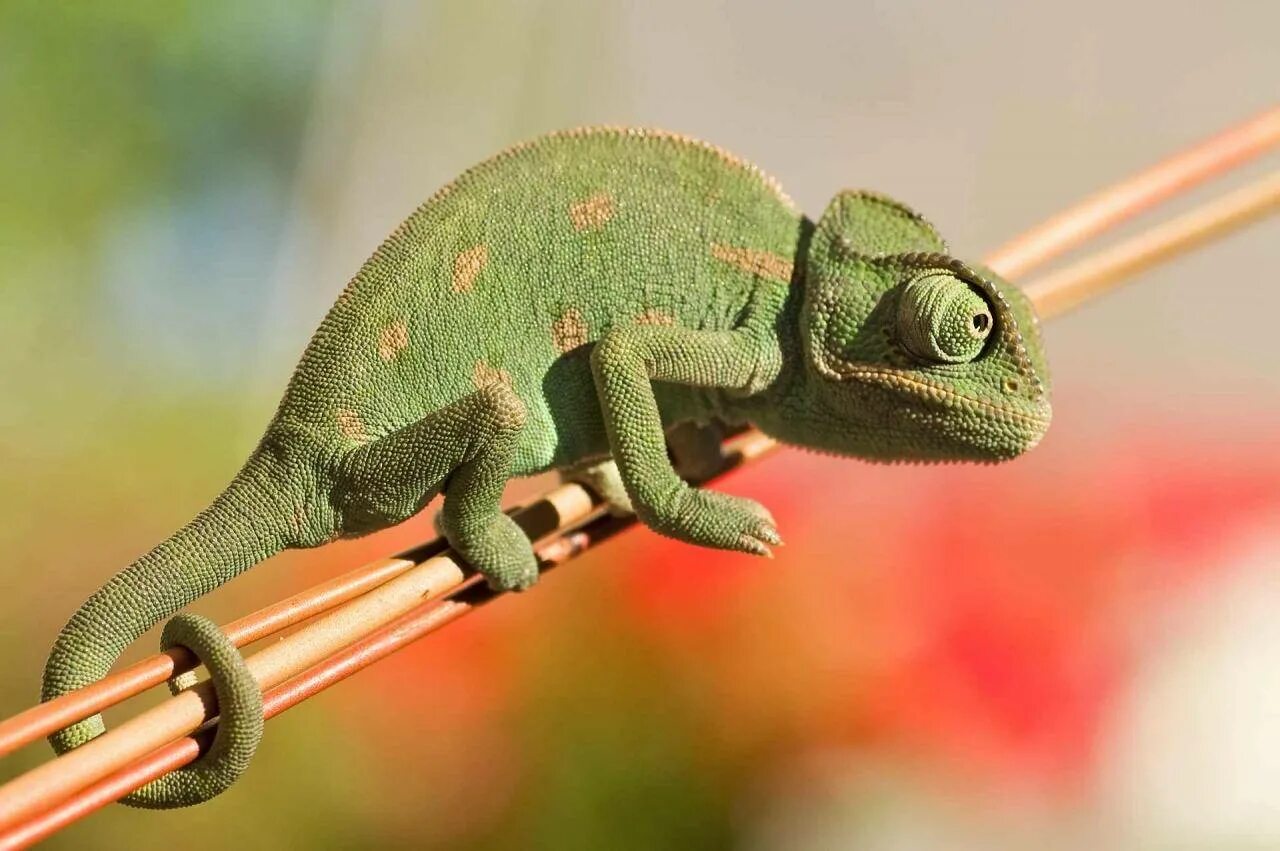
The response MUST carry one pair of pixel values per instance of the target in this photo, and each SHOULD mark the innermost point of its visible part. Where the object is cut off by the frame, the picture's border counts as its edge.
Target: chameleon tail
(242, 527)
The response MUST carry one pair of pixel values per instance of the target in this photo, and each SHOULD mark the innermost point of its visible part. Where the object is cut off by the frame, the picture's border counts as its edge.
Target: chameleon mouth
(1035, 413)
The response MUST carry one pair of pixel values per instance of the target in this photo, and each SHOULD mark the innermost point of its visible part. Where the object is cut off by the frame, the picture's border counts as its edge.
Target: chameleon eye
(941, 318)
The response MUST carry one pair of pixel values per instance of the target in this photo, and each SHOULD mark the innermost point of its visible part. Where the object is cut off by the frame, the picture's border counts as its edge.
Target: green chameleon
(560, 306)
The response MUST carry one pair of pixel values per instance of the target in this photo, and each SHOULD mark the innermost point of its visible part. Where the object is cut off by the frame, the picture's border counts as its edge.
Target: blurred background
(1075, 650)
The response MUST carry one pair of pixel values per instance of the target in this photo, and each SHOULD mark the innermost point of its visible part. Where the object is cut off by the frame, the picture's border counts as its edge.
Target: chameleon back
(508, 271)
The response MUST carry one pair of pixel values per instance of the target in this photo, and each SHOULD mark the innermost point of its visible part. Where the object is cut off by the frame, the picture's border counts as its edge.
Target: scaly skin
(561, 306)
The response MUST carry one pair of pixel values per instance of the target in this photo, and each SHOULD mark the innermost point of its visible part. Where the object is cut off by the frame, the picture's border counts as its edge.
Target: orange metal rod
(36, 790)
(1108, 208)
(469, 595)
(45, 718)
(425, 619)
(134, 776)
(1085, 280)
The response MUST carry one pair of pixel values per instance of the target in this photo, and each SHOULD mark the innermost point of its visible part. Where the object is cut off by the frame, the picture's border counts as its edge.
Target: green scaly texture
(562, 305)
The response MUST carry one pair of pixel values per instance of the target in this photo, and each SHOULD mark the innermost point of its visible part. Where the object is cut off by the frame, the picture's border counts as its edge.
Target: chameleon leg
(625, 362)
(465, 448)
(603, 478)
(694, 449)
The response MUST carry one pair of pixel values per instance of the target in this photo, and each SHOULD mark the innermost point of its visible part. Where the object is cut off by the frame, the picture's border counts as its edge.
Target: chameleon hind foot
(498, 549)
(714, 519)
(472, 517)
(466, 448)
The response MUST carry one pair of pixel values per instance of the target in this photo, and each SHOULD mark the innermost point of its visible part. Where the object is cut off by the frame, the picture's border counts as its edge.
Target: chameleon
(562, 306)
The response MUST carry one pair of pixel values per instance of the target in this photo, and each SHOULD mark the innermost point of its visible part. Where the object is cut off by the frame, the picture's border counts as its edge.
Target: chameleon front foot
(713, 519)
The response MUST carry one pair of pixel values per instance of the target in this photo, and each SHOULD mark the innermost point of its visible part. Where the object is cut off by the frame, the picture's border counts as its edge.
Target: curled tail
(242, 527)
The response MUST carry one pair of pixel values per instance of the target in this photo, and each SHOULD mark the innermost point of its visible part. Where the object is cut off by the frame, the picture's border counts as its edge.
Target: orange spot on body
(592, 213)
(485, 374)
(654, 316)
(467, 266)
(393, 340)
(569, 331)
(351, 426)
(764, 264)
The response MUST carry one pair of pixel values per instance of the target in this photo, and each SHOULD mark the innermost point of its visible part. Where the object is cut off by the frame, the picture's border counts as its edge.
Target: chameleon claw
(749, 544)
(770, 536)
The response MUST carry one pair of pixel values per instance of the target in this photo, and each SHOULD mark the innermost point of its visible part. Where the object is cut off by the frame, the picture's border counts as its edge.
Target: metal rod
(1170, 177)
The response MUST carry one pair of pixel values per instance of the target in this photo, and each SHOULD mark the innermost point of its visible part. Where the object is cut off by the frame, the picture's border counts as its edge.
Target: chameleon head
(913, 354)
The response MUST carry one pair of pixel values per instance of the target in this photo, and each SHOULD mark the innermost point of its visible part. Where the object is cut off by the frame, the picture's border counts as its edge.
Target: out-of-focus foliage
(111, 103)
(135, 136)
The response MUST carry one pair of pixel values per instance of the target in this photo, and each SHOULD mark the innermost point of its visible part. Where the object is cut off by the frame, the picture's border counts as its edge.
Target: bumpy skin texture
(562, 305)
(240, 719)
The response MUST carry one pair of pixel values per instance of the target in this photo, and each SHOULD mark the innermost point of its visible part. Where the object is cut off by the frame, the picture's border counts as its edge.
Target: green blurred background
(1076, 650)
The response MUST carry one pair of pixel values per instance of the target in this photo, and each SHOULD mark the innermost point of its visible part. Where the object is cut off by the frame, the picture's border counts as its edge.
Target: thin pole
(419, 622)
(1122, 201)
(1060, 291)
(71, 772)
(49, 717)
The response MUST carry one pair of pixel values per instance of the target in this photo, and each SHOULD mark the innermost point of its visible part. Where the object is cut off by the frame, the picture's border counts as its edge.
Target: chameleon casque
(560, 306)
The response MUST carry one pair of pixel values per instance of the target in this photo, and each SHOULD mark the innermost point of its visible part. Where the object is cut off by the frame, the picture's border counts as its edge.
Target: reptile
(563, 305)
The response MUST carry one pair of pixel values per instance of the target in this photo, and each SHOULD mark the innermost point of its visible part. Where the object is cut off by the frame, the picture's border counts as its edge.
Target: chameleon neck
(776, 321)
(771, 322)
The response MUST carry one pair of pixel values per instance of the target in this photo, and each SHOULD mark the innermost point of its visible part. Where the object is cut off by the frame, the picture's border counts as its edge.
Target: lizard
(563, 305)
